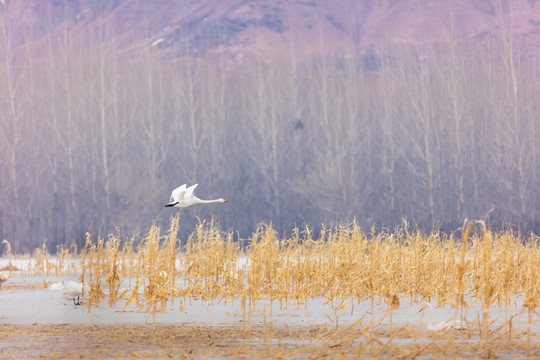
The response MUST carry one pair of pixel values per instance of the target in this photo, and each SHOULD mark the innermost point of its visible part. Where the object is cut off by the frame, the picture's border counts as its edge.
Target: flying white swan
(450, 323)
(73, 288)
(182, 197)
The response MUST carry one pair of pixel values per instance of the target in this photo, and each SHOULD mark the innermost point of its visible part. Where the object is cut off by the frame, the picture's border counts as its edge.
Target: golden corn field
(345, 267)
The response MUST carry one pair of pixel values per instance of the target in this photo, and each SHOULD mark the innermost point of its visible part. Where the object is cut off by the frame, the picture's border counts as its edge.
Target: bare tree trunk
(12, 136)
(57, 232)
(265, 129)
(103, 103)
(518, 143)
(195, 133)
(73, 214)
(389, 112)
(150, 125)
(456, 98)
(423, 141)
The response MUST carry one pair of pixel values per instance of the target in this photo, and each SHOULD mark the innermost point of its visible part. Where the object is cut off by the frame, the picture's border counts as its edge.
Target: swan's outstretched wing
(178, 194)
(189, 193)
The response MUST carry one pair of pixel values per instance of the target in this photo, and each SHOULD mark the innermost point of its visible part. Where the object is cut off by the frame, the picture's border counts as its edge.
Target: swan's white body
(183, 197)
(57, 286)
(455, 324)
(3, 278)
(74, 289)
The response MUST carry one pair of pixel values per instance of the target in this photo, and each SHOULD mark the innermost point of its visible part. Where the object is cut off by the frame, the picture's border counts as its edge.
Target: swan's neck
(200, 201)
(429, 323)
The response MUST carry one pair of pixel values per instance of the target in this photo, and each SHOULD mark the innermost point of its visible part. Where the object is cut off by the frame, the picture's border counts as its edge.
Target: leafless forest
(93, 139)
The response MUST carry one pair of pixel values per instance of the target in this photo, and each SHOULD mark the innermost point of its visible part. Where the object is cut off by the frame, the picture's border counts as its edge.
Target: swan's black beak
(171, 204)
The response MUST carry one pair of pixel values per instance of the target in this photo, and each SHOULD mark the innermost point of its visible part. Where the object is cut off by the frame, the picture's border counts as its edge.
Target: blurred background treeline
(93, 139)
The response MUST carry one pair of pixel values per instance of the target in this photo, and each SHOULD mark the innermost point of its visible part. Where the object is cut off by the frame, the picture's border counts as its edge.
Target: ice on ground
(30, 300)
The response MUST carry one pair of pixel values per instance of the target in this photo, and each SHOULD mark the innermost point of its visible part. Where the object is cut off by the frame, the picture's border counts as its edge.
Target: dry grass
(190, 341)
(345, 265)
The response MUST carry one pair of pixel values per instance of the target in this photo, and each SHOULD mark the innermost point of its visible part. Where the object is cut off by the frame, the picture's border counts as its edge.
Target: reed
(344, 265)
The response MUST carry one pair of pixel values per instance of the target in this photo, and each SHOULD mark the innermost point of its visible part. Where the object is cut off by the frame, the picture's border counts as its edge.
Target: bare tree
(105, 91)
(387, 110)
(11, 78)
(189, 127)
(263, 122)
(450, 67)
(421, 130)
(511, 128)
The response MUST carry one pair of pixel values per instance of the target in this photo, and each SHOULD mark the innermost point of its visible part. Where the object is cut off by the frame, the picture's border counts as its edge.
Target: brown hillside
(265, 29)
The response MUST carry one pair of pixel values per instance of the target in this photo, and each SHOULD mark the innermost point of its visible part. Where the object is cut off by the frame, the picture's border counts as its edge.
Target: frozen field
(39, 322)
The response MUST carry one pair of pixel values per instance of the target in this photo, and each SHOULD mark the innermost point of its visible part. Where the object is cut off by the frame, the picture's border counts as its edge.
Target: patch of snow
(157, 42)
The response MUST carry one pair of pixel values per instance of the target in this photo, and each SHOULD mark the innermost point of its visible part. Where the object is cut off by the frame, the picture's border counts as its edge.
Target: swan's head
(224, 200)
(422, 308)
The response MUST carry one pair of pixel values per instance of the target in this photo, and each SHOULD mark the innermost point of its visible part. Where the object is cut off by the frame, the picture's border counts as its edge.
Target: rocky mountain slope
(240, 30)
